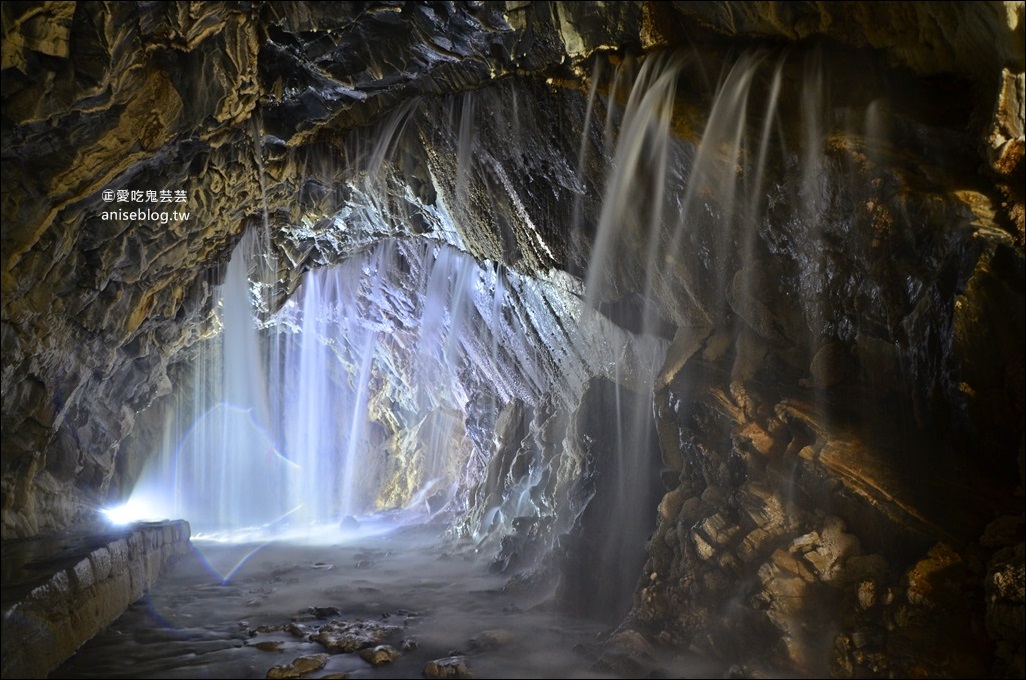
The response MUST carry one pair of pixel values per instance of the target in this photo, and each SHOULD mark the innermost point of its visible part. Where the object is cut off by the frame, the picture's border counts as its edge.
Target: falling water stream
(346, 410)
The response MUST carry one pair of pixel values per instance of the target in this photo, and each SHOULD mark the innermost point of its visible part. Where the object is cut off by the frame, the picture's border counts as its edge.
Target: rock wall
(241, 108)
(841, 407)
(60, 592)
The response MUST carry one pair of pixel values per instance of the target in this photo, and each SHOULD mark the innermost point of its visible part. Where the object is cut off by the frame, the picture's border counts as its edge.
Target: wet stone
(491, 639)
(449, 667)
(351, 636)
(309, 663)
(299, 666)
(380, 655)
(702, 546)
(295, 629)
(805, 542)
(748, 548)
(789, 563)
(717, 529)
(866, 592)
(267, 629)
(931, 581)
(865, 568)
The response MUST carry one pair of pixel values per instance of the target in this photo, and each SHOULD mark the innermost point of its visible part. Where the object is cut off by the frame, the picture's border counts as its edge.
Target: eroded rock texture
(825, 237)
(60, 591)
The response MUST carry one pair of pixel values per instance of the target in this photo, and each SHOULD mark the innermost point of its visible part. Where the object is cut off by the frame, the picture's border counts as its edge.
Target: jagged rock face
(181, 97)
(845, 372)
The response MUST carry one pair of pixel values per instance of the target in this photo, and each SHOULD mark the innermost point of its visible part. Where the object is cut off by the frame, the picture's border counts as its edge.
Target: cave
(513, 339)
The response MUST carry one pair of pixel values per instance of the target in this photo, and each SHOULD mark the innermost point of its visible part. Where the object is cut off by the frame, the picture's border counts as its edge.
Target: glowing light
(135, 510)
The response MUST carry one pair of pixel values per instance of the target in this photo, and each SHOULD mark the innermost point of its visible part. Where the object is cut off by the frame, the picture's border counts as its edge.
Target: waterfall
(331, 330)
(619, 515)
(375, 384)
(229, 471)
(359, 350)
(311, 439)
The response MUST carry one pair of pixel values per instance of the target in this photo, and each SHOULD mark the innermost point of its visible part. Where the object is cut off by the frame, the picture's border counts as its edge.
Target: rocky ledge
(62, 590)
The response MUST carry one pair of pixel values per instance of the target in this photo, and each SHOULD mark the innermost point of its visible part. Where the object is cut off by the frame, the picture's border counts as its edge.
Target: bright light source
(135, 510)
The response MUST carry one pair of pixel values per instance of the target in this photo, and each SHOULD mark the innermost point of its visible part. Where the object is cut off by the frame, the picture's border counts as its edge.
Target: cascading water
(229, 456)
(352, 337)
(428, 359)
(619, 515)
(384, 390)
(326, 365)
(312, 441)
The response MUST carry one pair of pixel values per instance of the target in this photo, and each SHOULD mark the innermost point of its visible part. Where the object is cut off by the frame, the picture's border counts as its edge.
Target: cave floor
(197, 624)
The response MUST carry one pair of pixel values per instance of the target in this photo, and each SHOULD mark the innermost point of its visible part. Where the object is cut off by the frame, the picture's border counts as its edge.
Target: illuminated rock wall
(840, 412)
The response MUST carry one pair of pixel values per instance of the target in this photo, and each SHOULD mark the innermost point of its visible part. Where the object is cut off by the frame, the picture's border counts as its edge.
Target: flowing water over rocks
(701, 322)
(394, 605)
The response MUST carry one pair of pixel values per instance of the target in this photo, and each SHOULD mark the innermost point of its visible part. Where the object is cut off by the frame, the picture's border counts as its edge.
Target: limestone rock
(1006, 140)
(379, 655)
(872, 261)
(310, 663)
(958, 40)
(1006, 607)
(448, 667)
(59, 606)
(929, 581)
(831, 550)
(351, 636)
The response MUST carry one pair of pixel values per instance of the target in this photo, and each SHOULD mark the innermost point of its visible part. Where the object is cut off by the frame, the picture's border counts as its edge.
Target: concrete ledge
(60, 591)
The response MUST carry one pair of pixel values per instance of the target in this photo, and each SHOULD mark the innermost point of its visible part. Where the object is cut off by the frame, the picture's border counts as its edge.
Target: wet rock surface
(59, 592)
(1005, 607)
(839, 419)
(192, 623)
(380, 655)
(279, 83)
(352, 636)
(449, 667)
